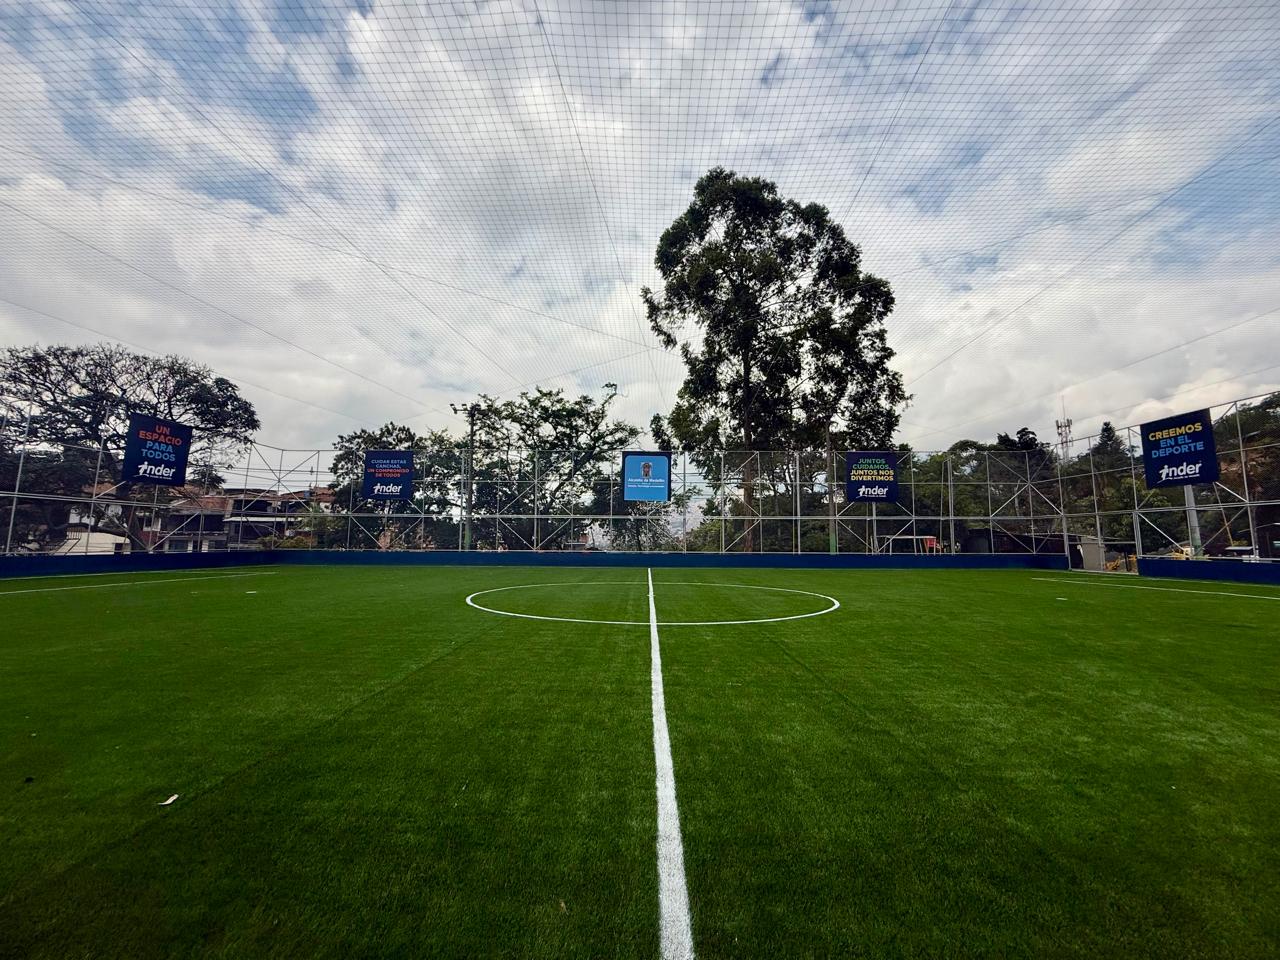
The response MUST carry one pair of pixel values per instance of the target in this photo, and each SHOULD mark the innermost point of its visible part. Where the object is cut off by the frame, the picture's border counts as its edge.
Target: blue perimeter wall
(1235, 571)
(1228, 570)
(129, 563)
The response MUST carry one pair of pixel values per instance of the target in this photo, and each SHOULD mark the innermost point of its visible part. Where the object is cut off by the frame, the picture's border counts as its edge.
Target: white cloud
(473, 195)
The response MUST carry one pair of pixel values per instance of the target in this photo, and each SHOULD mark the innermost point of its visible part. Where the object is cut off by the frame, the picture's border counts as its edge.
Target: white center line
(135, 583)
(673, 893)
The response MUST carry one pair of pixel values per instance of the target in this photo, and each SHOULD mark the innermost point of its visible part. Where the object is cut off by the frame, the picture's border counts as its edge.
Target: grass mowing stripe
(673, 894)
(284, 749)
(135, 583)
(1134, 586)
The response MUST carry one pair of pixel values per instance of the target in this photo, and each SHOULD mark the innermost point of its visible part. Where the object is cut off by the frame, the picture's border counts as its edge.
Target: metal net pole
(1244, 479)
(17, 484)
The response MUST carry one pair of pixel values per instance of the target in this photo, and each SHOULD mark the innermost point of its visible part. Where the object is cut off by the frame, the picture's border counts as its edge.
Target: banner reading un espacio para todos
(871, 477)
(388, 475)
(156, 451)
(1180, 450)
(646, 476)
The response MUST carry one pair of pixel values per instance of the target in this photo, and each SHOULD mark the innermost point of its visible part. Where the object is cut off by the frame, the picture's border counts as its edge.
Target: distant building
(191, 520)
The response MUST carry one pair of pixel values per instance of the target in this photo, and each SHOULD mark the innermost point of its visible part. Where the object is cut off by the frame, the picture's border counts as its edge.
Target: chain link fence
(1086, 500)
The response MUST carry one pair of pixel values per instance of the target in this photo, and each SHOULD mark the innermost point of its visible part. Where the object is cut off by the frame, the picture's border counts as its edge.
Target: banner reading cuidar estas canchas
(388, 475)
(156, 451)
(1179, 450)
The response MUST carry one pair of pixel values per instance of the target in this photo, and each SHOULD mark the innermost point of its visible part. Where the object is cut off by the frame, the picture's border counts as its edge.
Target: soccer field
(983, 763)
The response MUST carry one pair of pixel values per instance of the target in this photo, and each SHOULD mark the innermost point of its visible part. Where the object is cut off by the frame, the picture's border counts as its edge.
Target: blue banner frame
(1178, 451)
(871, 476)
(156, 451)
(646, 476)
(388, 475)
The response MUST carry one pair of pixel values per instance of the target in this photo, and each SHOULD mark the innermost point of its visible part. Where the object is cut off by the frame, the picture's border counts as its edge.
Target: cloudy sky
(366, 211)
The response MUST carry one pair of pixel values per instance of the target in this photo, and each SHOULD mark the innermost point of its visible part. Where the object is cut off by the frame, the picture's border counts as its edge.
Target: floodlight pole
(796, 487)
(1193, 521)
(1062, 503)
(1244, 479)
(833, 543)
(1137, 506)
(17, 483)
(93, 500)
(468, 471)
(951, 503)
(991, 520)
(684, 500)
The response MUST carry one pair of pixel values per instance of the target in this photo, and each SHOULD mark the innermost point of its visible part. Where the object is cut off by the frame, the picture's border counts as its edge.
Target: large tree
(785, 344)
(82, 396)
(78, 400)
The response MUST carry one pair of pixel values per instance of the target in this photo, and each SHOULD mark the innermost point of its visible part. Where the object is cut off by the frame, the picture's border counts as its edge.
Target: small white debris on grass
(165, 803)
(251, 591)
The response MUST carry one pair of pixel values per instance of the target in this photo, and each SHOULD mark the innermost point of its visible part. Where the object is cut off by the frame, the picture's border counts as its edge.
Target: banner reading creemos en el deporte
(1180, 450)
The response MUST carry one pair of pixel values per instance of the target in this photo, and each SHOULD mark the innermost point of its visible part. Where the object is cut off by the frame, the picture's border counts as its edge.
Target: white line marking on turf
(673, 894)
(834, 604)
(133, 583)
(1125, 575)
(1134, 586)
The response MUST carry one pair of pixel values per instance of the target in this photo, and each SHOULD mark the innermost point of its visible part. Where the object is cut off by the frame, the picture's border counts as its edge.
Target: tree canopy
(82, 396)
(78, 400)
(566, 444)
(790, 348)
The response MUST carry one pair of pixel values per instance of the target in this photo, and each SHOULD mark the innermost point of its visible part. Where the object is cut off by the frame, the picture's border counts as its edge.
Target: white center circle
(833, 604)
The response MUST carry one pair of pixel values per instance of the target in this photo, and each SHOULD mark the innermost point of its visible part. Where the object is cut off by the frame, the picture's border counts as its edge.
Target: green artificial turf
(952, 764)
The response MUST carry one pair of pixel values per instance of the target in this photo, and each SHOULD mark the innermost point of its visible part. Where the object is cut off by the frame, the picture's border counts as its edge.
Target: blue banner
(388, 475)
(871, 476)
(156, 451)
(646, 476)
(1180, 450)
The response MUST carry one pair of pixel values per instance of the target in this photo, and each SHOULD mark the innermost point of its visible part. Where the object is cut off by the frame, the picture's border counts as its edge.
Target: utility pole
(468, 468)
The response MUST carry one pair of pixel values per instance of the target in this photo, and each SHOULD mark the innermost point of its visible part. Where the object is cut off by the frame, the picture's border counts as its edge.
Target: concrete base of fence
(1237, 571)
(51, 566)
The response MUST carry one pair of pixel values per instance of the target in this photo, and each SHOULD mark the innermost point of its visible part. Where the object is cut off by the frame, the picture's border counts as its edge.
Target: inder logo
(156, 451)
(388, 475)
